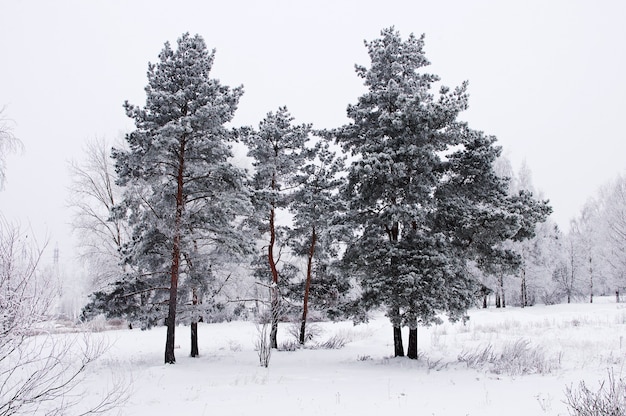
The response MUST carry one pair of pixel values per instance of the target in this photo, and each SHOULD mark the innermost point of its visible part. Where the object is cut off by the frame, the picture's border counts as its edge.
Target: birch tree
(93, 196)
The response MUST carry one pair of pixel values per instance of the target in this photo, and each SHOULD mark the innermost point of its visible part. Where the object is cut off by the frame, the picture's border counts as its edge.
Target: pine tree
(398, 133)
(316, 209)
(424, 199)
(278, 151)
(483, 218)
(182, 195)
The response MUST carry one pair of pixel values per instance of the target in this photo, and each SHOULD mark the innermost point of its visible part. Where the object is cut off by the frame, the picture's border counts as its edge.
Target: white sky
(546, 77)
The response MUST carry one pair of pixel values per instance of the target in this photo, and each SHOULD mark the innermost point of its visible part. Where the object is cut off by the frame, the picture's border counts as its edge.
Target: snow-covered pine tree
(479, 214)
(520, 254)
(182, 194)
(423, 197)
(278, 149)
(316, 228)
(398, 134)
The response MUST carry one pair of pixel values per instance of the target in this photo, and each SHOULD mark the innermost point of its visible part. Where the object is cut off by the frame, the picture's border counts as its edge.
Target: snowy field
(549, 348)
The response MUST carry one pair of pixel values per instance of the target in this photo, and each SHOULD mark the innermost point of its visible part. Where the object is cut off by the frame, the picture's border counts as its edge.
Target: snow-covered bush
(608, 400)
(39, 371)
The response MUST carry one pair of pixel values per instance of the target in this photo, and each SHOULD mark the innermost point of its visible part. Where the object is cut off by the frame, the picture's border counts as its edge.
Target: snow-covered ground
(564, 343)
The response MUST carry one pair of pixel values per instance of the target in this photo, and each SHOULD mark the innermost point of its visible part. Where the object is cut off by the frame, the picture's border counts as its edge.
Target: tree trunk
(484, 301)
(275, 315)
(501, 284)
(570, 283)
(394, 316)
(412, 349)
(498, 300)
(524, 295)
(397, 342)
(617, 296)
(194, 326)
(170, 358)
(590, 281)
(274, 287)
(307, 285)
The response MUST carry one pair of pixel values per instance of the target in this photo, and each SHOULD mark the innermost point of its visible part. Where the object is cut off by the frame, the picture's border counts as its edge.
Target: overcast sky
(548, 78)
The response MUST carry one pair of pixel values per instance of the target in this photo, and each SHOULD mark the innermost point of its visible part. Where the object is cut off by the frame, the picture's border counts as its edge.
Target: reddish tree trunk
(274, 270)
(307, 286)
(170, 358)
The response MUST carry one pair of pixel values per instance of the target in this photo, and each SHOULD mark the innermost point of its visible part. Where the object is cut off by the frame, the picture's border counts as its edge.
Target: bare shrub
(39, 371)
(263, 346)
(608, 400)
(311, 331)
(516, 358)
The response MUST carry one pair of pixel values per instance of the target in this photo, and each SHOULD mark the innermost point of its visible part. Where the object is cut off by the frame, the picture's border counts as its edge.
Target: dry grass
(514, 358)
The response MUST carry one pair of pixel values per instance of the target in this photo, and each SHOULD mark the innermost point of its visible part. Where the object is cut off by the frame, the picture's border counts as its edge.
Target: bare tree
(8, 144)
(586, 231)
(615, 226)
(599, 233)
(93, 195)
(38, 370)
(567, 274)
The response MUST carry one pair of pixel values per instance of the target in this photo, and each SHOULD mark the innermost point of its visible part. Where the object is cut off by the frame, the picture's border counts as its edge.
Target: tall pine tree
(182, 194)
(278, 149)
(420, 182)
(398, 133)
(316, 228)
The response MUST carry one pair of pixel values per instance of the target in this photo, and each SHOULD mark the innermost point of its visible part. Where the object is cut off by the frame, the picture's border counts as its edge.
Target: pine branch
(139, 292)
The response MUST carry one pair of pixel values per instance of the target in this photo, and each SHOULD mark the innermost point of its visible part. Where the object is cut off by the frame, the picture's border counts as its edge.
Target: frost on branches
(423, 198)
(181, 193)
(278, 150)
